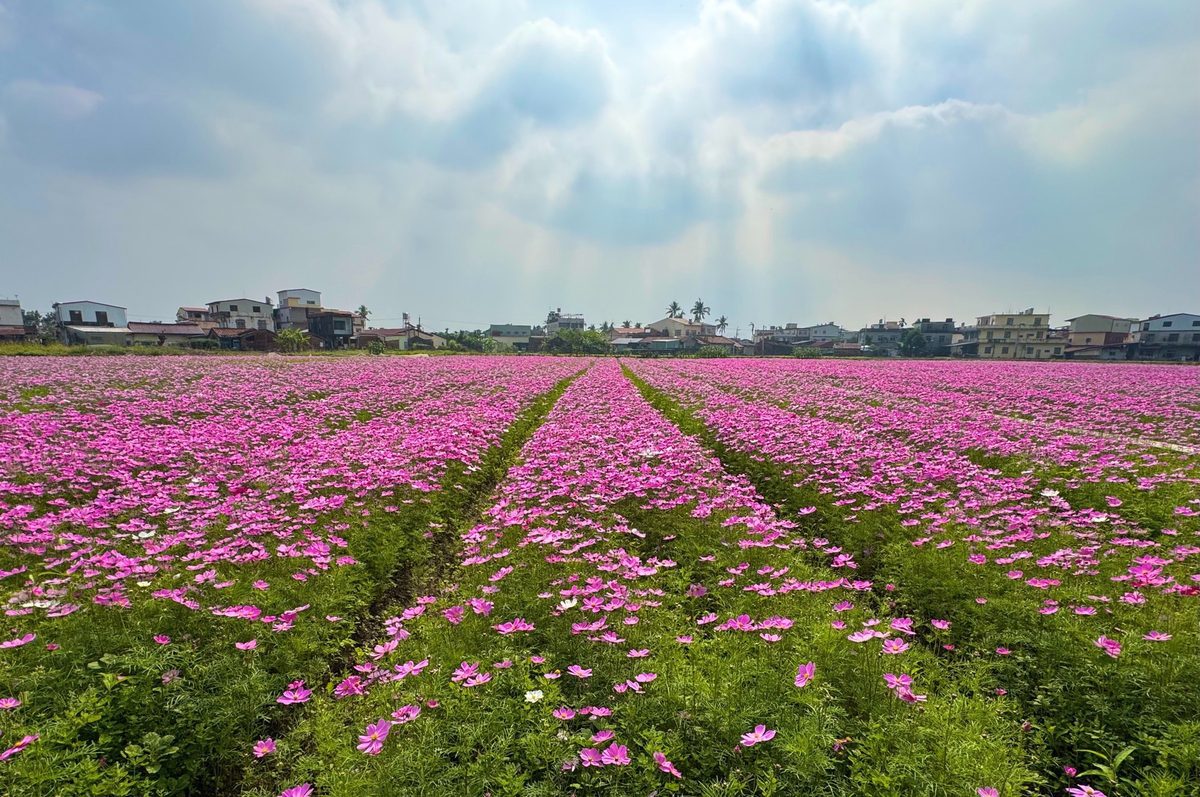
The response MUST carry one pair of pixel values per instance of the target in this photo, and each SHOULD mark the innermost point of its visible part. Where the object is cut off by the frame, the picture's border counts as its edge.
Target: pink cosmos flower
(579, 672)
(406, 713)
(591, 757)
(251, 645)
(941, 625)
(805, 673)
(162, 639)
(564, 713)
(371, 742)
(638, 654)
(760, 734)
(516, 625)
(665, 765)
(303, 790)
(987, 791)
(19, 747)
(1110, 646)
(9, 703)
(1084, 791)
(895, 681)
(894, 646)
(1156, 636)
(601, 736)
(615, 755)
(295, 693)
(264, 747)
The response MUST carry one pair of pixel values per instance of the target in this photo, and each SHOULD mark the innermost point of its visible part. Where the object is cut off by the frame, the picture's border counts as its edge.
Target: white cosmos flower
(534, 696)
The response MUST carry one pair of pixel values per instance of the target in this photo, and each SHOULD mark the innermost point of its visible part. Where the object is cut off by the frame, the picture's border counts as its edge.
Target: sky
(481, 161)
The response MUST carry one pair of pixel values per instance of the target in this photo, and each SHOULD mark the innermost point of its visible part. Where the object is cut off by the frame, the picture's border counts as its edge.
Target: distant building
(242, 314)
(1015, 336)
(143, 334)
(515, 335)
(1099, 337)
(1169, 337)
(615, 333)
(796, 334)
(91, 323)
(882, 338)
(243, 339)
(938, 336)
(195, 315)
(12, 321)
(295, 307)
(557, 321)
(333, 328)
(406, 337)
(681, 328)
(10, 313)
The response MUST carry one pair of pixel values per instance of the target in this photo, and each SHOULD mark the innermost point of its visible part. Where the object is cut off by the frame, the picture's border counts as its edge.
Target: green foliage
(912, 343)
(291, 340)
(577, 341)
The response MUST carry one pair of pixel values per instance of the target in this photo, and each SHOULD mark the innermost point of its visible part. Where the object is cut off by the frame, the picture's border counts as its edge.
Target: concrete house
(12, 321)
(142, 334)
(296, 305)
(1016, 336)
(243, 314)
(557, 321)
(408, 337)
(333, 328)
(1099, 337)
(681, 328)
(515, 335)
(91, 323)
(1169, 337)
(882, 338)
(195, 315)
(938, 336)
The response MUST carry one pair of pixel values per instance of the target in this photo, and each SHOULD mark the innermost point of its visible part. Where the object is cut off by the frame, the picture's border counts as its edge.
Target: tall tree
(674, 310)
(700, 311)
(912, 343)
(722, 322)
(363, 311)
(626, 324)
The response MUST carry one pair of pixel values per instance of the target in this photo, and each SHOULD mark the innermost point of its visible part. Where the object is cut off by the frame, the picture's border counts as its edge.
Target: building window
(102, 318)
(262, 324)
(1087, 340)
(76, 316)
(1004, 350)
(1058, 349)
(1008, 321)
(1037, 322)
(240, 323)
(1196, 323)
(310, 301)
(1167, 324)
(1196, 336)
(1029, 350)
(233, 308)
(987, 349)
(1174, 336)
(256, 309)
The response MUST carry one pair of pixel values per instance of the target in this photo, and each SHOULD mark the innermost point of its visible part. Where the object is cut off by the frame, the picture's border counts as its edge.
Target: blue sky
(478, 162)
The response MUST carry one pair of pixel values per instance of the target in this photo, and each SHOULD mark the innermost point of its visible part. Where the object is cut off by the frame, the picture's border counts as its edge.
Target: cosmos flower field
(552, 576)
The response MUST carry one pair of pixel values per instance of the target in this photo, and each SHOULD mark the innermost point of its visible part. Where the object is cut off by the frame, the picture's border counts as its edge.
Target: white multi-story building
(682, 328)
(243, 314)
(1169, 337)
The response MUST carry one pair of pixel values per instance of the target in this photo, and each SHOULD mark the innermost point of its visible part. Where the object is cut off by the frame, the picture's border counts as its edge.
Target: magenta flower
(406, 713)
(303, 790)
(894, 646)
(295, 693)
(564, 713)
(251, 645)
(579, 672)
(371, 742)
(760, 734)
(1084, 791)
(162, 639)
(19, 747)
(1110, 646)
(615, 755)
(987, 791)
(264, 747)
(1156, 636)
(591, 757)
(516, 625)
(665, 765)
(805, 673)
(9, 703)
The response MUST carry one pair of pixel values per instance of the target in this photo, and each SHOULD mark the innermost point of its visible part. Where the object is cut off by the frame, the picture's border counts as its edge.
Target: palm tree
(674, 310)
(722, 322)
(363, 311)
(626, 324)
(699, 311)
